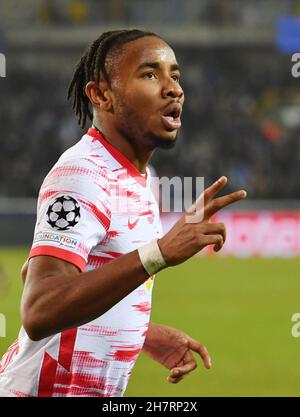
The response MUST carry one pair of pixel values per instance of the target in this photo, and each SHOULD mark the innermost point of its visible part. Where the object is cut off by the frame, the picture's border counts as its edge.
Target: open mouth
(171, 116)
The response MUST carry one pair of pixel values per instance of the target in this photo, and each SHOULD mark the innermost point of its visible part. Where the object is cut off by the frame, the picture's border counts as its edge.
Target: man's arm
(57, 296)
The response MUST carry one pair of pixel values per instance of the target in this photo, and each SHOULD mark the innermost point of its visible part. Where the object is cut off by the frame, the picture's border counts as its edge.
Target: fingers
(189, 363)
(215, 188)
(189, 366)
(174, 380)
(201, 349)
(184, 368)
(213, 229)
(216, 240)
(208, 194)
(221, 202)
(203, 208)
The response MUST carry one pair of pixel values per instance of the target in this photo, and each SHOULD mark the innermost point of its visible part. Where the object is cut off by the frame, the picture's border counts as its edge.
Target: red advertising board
(255, 233)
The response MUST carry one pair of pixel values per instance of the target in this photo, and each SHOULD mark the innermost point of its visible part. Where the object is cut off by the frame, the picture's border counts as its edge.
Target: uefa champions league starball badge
(63, 213)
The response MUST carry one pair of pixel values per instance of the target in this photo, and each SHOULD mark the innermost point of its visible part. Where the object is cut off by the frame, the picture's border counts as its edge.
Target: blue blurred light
(288, 34)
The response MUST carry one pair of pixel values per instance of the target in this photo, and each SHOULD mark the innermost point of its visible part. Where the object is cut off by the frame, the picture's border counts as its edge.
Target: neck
(137, 154)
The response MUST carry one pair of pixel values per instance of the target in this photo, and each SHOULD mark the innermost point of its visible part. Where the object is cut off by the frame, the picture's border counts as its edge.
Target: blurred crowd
(43, 13)
(33, 113)
(240, 119)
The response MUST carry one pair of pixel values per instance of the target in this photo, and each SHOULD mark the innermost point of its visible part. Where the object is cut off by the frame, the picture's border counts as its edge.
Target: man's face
(147, 95)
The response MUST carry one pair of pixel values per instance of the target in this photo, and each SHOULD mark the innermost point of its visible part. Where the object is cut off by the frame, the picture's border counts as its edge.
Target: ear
(99, 95)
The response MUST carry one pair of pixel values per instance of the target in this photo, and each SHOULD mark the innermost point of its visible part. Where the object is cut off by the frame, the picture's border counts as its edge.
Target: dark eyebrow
(156, 65)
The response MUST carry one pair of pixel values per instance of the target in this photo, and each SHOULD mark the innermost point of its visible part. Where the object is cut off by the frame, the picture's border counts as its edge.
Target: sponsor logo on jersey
(63, 240)
(132, 224)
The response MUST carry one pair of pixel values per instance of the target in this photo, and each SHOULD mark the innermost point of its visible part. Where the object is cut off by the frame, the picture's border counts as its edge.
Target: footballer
(88, 281)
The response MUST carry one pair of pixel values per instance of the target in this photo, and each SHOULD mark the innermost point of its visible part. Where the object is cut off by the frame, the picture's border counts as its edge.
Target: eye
(175, 78)
(150, 75)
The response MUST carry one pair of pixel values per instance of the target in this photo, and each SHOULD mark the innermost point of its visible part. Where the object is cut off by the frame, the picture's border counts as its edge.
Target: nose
(172, 89)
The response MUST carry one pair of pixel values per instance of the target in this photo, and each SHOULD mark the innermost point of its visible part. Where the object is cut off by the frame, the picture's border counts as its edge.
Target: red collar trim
(118, 156)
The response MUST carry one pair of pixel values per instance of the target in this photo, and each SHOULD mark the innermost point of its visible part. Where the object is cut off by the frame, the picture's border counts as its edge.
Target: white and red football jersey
(93, 206)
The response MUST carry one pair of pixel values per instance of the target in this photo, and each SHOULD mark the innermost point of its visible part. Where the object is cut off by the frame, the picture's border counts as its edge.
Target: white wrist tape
(151, 257)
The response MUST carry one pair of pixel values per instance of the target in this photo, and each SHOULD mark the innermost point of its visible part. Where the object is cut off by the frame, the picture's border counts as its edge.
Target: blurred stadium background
(241, 119)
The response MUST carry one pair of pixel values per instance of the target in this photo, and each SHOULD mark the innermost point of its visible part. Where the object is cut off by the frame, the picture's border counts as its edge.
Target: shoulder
(80, 163)
(80, 171)
(86, 154)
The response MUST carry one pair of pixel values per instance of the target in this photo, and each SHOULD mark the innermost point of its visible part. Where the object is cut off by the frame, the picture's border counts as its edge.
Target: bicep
(43, 266)
(45, 275)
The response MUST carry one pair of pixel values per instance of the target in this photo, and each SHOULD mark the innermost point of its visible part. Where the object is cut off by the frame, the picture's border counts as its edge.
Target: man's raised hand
(194, 230)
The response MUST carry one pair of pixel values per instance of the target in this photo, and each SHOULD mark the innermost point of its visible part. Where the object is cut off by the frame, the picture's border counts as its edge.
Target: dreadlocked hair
(92, 66)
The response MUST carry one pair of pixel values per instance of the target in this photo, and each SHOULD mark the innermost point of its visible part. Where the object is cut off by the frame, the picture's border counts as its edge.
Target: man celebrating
(87, 285)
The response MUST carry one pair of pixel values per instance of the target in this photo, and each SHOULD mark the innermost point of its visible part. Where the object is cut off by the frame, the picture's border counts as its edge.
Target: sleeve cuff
(63, 254)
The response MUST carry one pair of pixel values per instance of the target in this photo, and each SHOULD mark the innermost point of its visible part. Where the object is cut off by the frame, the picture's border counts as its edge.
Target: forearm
(152, 336)
(62, 302)
(148, 337)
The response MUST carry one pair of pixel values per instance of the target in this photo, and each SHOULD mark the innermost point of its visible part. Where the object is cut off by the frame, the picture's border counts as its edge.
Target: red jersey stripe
(63, 254)
(47, 376)
(67, 343)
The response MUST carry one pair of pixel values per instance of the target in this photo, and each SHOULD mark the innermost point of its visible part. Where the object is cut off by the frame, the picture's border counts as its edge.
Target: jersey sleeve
(73, 212)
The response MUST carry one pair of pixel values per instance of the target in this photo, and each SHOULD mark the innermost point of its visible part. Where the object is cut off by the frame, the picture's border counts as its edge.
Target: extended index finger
(208, 193)
(219, 203)
(214, 188)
